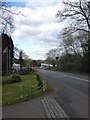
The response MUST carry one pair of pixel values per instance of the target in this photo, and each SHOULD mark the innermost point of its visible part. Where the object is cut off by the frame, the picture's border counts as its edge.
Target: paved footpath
(42, 107)
(29, 109)
(53, 109)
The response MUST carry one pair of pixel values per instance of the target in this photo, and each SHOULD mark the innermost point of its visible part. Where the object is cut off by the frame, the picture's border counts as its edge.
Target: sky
(36, 31)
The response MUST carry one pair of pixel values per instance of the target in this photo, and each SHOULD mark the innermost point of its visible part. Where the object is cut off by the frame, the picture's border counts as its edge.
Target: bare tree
(17, 53)
(51, 56)
(6, 17)
(82, 37)
(77, 14)
(76, 44)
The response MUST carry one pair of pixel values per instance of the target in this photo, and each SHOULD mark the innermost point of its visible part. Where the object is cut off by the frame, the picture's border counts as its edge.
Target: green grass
(5, 77)
(22, 91)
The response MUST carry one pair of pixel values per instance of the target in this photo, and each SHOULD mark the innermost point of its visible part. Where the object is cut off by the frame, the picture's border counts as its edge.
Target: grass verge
(22, 91)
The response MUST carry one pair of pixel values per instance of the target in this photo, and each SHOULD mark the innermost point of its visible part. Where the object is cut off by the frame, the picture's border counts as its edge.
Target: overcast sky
(36, 32)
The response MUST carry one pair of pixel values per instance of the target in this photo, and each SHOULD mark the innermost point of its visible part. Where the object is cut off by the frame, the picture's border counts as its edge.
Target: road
(71, 92)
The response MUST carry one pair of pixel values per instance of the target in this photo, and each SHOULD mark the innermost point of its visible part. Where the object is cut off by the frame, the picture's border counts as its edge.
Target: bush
(16, 78)
(12, 79)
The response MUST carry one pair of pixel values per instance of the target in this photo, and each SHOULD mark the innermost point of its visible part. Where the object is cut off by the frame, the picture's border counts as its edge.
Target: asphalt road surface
(71, 92)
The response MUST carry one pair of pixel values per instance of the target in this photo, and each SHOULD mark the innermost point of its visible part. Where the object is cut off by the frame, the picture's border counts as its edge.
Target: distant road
(71, 92)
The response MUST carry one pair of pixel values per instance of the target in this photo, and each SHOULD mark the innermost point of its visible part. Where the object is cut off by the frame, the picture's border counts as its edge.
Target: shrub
(12, 79)
(15, 78)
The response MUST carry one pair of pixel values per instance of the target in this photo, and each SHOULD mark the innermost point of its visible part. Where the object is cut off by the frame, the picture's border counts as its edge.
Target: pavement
(42, 107)
(29, 109)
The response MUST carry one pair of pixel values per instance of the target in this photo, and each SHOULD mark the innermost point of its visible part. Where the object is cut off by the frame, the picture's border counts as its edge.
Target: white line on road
(85, 80)
(76, 91)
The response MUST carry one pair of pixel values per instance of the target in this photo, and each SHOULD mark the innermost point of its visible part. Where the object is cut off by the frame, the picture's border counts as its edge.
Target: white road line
(85, 80)
(76, 91)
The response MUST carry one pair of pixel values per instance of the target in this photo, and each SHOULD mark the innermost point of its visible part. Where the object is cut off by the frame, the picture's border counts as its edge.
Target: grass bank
(22, 91)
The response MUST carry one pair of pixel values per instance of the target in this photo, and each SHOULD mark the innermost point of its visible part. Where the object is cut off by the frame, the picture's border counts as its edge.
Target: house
(7, 53)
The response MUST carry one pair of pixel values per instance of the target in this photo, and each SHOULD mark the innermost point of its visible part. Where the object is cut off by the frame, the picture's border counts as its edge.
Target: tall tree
(51, 57)
(78, 14)
(21, 58)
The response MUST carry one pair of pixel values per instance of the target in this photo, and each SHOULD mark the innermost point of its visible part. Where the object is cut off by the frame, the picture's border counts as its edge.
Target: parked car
(24, 71)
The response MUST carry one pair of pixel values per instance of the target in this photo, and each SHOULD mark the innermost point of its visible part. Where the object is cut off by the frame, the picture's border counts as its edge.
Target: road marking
(76, 91)
(85, 80)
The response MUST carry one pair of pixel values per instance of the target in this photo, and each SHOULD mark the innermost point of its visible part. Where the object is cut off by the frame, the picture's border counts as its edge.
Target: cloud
(39, 51)
(38, 28)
